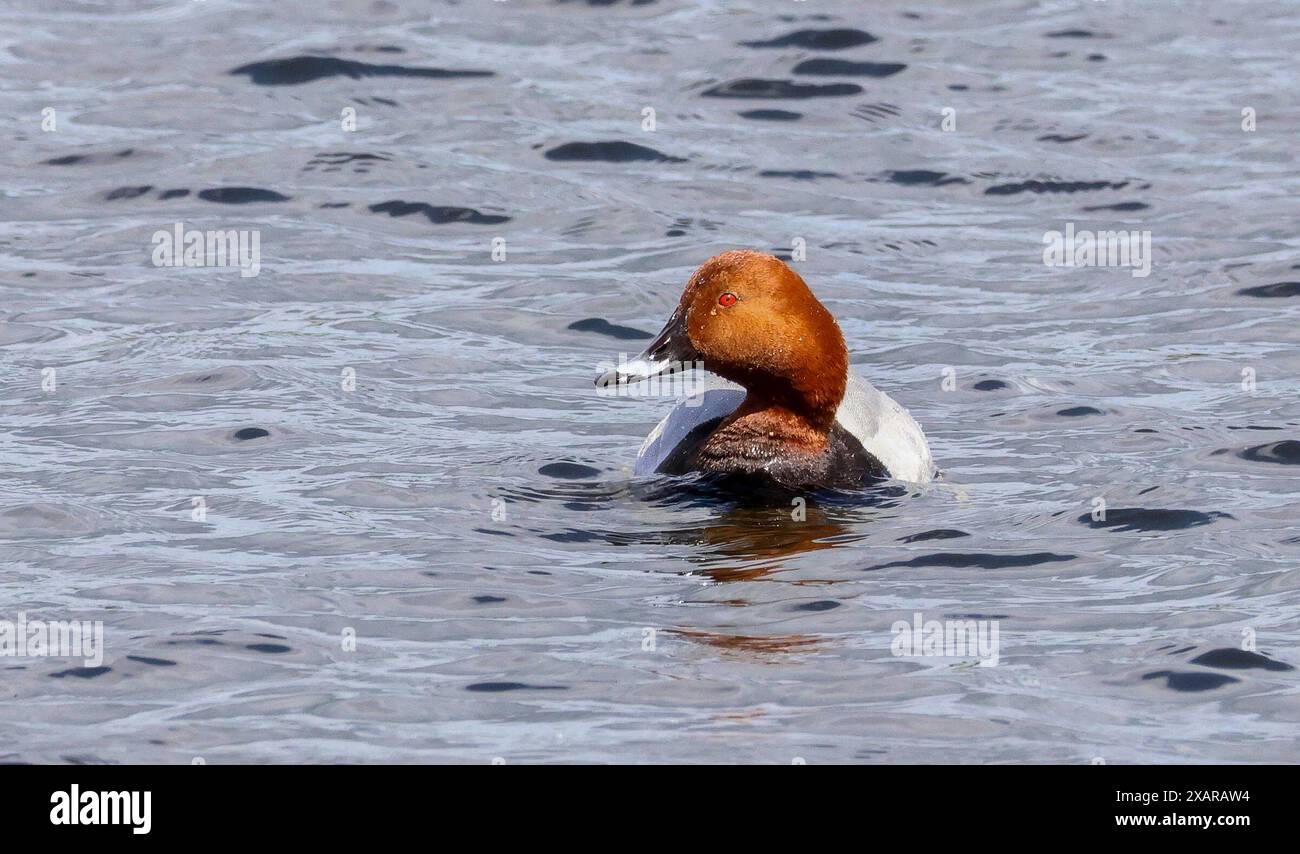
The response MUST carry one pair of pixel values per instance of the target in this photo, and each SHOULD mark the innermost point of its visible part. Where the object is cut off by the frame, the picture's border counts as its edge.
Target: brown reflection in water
(742, 716)
(751, 544)
(750, 643)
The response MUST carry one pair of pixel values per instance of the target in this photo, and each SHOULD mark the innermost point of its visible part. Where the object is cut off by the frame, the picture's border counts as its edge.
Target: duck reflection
(748, 537)
(750, 544)
(759, 533)
(753, 544)
(751, 536)
(743, 644)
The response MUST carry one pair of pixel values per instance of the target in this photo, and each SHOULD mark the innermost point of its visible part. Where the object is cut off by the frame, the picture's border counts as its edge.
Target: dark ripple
(756, 87)
(240, 195)
(874, 112)
(819, 605)
(1286, 452)
(437, 214)
(1053, 187)
(772, 115)
(609, 152)
(152, 662)
(989, 385)
(342, 158)
(305, 69)
(600, 326)
(1061, 138)
(1151, 519)
(1078, 411)
(796, 174)
(936, 534)
(1074, 34)
(923, 178)
(127, 192)
(569, 471)
(1191, 682)
(1119, 206)
(844, 68)
(81, 672)
(498, 687)
(980, 560)
(1273, 291)
(575, 536)
(269, 648)
(73, 159)
(835, 39)
(1230, 658)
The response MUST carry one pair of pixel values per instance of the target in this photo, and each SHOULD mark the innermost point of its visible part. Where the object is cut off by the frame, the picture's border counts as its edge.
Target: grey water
(366, 506)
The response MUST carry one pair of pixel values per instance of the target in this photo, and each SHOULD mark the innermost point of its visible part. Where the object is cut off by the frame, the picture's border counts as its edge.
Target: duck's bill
(670, 352)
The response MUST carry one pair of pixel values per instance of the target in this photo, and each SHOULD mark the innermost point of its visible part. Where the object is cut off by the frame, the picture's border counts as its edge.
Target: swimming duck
(791, 411)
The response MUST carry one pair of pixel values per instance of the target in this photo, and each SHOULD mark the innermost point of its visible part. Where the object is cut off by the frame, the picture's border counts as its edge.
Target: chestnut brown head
(751, 319)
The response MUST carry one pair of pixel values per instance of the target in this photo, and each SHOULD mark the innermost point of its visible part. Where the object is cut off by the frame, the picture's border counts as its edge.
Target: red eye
(727, 300)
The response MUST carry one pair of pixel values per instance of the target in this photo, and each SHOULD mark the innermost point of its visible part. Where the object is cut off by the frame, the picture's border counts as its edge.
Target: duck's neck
(807, 401)
(787, 409)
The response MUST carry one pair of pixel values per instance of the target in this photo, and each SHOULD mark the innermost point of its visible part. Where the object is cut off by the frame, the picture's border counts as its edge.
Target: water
(603, 618)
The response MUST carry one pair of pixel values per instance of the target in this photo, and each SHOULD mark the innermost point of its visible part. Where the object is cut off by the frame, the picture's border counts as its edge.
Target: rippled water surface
(198, 473)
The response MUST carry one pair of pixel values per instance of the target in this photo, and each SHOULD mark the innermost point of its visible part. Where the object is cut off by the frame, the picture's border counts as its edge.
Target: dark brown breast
(842, 463)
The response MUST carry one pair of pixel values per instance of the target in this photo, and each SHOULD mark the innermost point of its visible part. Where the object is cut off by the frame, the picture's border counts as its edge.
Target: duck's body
(793, 411)
(872, 438)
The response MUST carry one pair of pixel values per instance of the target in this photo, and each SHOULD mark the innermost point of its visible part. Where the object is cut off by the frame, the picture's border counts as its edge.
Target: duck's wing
(717, 399)
(886, 431)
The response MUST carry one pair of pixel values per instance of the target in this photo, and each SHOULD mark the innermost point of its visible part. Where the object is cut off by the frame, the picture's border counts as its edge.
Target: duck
(783, 405)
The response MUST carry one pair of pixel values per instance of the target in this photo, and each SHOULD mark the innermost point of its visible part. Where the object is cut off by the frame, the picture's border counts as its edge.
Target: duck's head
(751, 319)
